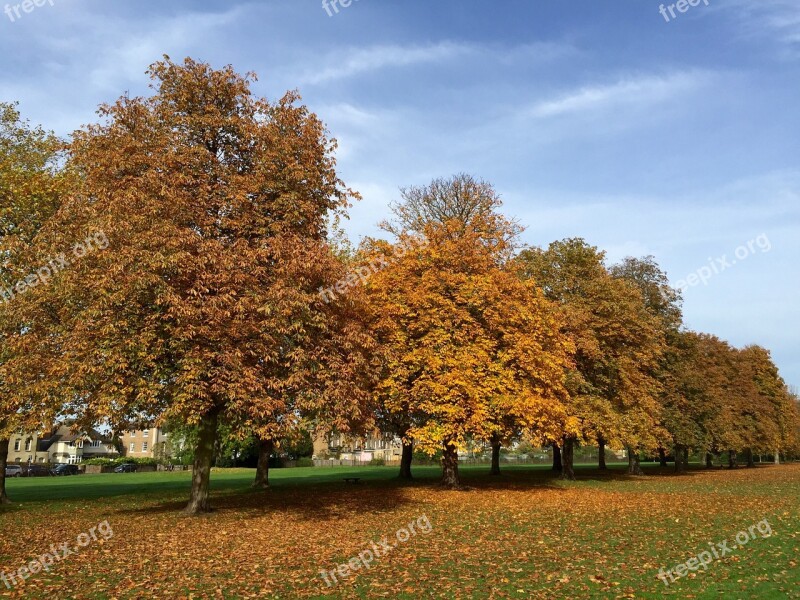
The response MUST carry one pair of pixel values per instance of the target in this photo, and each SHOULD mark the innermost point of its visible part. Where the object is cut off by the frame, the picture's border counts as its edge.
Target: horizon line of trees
(222, 214)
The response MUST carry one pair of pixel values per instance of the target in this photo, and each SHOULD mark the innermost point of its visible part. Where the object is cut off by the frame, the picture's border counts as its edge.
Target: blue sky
(592, 118)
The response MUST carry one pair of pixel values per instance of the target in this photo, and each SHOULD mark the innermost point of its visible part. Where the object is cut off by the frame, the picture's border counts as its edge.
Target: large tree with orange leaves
(205, 305)
(467, 344)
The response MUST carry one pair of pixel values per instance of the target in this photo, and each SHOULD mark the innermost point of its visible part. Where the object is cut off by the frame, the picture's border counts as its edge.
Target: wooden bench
(352, 479)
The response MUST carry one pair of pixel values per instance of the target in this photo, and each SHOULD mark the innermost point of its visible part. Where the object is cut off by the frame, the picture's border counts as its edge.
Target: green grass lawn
(525, 534)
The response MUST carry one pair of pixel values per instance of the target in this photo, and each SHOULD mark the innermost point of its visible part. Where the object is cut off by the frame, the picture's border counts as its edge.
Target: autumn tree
(216, 206)
(765, 410)
(696, 387)
(32, 185)
(664, 303)
(328, 377)
(723, 399)
(618, 341)
(462, 201)
(465, 339)
(790, 425)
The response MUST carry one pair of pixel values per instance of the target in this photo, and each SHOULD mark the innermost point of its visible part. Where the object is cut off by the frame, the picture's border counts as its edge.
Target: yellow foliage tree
(468, 346)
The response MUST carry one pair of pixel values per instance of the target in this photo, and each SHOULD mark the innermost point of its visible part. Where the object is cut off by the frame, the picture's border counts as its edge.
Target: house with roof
(60, 445)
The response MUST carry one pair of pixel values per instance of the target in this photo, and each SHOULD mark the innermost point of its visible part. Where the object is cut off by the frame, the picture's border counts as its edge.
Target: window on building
(133, 447)
(28, 445)
(132, 433)
(96, 444)
(146, 432)
(144, 447)
(17, 445)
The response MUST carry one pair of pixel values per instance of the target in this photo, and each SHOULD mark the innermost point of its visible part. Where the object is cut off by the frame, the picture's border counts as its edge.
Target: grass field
(523, 535)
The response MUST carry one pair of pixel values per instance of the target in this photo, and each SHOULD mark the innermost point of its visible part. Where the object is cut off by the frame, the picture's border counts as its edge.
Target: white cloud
(357, 61)
(640, 91)
(778, 20)
(127, 60)
(377, 58)
(346, 114)
(91, 57)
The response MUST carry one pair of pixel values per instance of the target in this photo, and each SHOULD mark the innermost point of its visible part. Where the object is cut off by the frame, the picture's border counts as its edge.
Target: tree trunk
(634, 468)
(495, 455)
(450, 478)
(662, 457)
(405, 460)
(601, 459)
(732, 459)
(709, 460)
(681, 458)
(751, 463)
(3, 461)
(777, 457)
(567, 457)
(557, 464)
(201, 469)
(265, 448)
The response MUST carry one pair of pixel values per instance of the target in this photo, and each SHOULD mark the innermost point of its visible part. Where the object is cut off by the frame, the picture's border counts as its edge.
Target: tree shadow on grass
(313, 502)
(337, 499)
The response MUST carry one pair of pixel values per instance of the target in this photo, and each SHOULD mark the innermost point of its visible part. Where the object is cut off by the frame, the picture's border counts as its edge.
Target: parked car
(126, 468)
(34, 470)
(65, 470)
(13, 471)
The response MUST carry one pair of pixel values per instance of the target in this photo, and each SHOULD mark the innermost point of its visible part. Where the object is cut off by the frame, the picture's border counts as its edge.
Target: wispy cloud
(377, 58)
(778, 20)
(360, 61)
(124, 62)
(644, 91)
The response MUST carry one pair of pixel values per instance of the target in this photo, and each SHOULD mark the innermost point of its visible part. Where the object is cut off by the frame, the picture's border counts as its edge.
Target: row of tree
(208, 309)
(482, 341)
